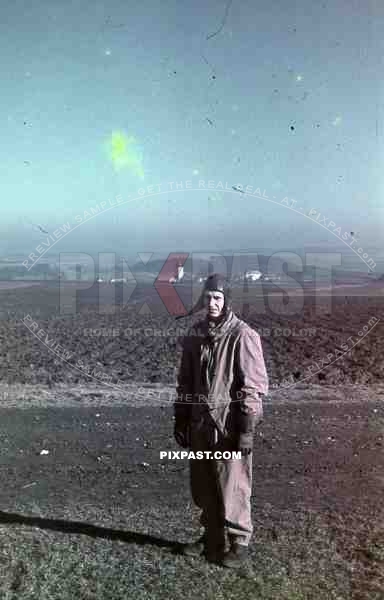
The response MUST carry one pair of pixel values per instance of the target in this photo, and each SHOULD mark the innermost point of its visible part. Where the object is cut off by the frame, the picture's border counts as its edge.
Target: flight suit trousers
(222, 488)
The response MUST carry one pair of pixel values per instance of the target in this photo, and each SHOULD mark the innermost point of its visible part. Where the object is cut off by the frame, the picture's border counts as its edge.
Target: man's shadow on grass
(93, 531)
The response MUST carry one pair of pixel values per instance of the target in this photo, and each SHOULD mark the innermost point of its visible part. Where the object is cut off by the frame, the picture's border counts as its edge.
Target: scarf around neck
(212, 332)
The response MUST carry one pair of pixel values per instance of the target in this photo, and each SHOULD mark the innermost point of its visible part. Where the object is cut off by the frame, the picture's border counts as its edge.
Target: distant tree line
(39, 271)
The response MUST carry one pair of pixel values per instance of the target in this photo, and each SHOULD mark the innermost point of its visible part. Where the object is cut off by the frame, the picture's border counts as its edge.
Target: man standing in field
(221, 379)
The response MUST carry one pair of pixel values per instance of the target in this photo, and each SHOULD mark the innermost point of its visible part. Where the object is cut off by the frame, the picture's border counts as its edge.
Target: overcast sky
(283, 96)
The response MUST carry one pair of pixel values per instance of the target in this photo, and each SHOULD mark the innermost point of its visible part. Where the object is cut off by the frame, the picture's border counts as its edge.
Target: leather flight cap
(215, 283)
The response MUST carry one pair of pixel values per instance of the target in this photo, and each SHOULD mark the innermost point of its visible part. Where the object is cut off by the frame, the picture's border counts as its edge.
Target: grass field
(102, 517)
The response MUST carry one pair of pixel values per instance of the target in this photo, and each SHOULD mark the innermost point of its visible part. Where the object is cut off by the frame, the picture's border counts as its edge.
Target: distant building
(199, 278)
(253, 275)
(179, 276)
(180, 273)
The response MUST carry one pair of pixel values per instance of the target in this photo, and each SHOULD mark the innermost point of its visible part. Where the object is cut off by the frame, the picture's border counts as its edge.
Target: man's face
(214, 303)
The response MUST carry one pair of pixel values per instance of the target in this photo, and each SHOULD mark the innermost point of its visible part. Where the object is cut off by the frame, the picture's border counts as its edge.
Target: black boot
(236, 557)
(195, 548)
(215, 551)
(215, 545)
(210, 546)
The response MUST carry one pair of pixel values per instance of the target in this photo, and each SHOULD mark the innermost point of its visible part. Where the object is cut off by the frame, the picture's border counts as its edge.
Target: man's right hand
(182, 434)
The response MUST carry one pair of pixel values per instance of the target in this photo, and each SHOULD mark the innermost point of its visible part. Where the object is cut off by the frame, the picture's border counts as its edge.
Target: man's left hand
(243, 442)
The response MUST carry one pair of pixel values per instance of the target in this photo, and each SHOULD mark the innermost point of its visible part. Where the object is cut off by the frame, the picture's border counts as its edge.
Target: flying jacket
(227, 385)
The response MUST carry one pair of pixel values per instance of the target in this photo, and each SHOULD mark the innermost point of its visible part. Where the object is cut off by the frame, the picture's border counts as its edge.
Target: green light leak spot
(123, 155)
